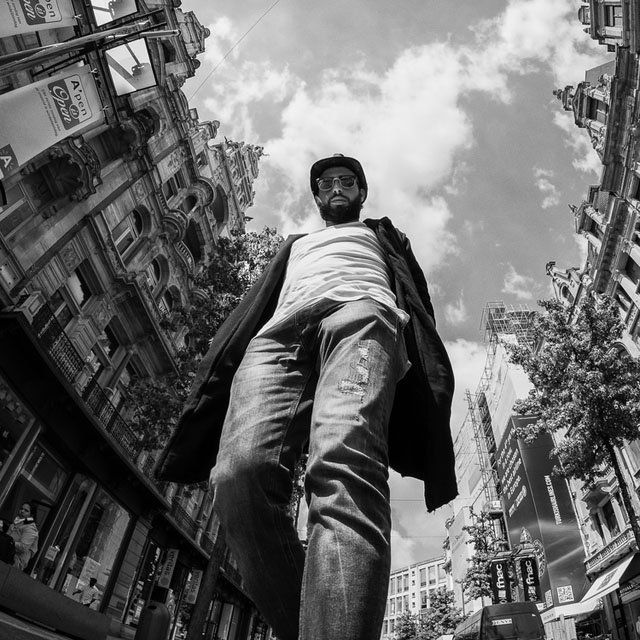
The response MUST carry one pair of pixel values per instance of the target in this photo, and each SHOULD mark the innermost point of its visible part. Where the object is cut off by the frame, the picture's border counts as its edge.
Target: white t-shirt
(343, 262)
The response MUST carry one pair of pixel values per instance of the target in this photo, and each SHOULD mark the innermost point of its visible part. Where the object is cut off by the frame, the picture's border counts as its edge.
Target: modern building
(113, 194)
(411, 588)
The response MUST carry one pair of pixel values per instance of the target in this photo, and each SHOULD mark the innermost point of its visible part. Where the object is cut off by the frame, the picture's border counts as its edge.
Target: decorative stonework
(175, 222)
(79, 155)
(70, 257)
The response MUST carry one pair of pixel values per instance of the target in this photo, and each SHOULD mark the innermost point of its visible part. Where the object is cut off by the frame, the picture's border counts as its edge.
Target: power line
(226, 55)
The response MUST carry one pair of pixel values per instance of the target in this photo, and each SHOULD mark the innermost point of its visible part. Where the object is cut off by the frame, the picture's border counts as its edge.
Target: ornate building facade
(606, 106)
(101, 234)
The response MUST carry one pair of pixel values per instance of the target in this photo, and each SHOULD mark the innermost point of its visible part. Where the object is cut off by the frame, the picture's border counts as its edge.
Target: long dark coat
(420, 442)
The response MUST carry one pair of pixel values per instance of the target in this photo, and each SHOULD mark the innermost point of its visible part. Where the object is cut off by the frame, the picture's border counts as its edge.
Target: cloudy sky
(449, 106)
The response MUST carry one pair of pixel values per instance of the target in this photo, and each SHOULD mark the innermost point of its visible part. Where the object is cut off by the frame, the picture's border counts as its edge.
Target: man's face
(340, 202)
(25, 511)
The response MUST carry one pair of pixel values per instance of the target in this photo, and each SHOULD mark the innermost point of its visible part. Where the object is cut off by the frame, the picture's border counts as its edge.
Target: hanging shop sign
(500, 581)
(106, 11)
(168, 568)
(194, 586)
(36, 116)
(27, 16)
(530, 579)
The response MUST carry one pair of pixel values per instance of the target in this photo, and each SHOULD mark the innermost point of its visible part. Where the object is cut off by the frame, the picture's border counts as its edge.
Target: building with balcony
(411, 588)
(101, 235)
(608, 218)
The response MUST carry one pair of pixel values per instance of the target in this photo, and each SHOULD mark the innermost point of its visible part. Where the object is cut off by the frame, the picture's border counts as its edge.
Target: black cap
(337, 160)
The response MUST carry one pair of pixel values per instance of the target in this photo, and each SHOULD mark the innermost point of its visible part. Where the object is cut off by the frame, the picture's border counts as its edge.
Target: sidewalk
(13, 628)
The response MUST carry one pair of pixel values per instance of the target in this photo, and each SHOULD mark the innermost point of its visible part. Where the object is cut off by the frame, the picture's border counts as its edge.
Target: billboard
(27, 16)
(538, 501)
(37, 115)
(130, 67)
(105, 11)
(500, 581)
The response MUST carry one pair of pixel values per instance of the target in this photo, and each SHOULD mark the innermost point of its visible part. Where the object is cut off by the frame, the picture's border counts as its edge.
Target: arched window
(165, 303)
(128, 231)
(157, 275)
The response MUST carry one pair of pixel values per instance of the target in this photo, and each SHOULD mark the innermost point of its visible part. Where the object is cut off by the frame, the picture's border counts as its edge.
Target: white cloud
(515, 284)
(549, 190)
(456, 313)
(586, 159)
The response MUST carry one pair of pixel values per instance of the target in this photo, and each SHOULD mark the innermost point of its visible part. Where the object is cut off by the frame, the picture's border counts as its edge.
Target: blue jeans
(326, 377)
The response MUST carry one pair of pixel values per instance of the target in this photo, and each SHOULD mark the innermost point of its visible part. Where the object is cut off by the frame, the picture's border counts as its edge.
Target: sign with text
(168, 568)
(37, 115)
(105, 11)
(500, 581)
(194, 586)
(27, 16)
(530, 579)
(537, 500)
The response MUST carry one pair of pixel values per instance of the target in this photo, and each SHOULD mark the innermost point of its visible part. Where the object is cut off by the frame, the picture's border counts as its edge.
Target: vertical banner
(26, 16)
(500, 581)
(36, 116)
(168, 568)
(194, 586)
(530, 579)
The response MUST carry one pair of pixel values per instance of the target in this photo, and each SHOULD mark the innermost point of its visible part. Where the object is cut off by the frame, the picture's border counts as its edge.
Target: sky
(448, 105)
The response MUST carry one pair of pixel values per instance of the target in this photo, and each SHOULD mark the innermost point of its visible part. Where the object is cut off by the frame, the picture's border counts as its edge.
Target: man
(315, 356)
(24, 532)
(89, 594)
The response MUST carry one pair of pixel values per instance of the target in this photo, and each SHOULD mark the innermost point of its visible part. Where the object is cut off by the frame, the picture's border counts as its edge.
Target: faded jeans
(326, 377)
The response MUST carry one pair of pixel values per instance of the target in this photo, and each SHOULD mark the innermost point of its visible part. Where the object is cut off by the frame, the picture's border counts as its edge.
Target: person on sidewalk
(24, 532)
(334, 350)
(89, 594)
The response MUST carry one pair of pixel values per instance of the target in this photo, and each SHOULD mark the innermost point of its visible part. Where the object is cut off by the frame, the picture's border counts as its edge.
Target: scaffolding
(499, 321)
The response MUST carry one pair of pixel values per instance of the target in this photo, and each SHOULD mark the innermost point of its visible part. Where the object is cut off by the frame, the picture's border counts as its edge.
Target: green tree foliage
(406, 626)
(234, 265)
(442, 616)
(482, 537)
(586, 390)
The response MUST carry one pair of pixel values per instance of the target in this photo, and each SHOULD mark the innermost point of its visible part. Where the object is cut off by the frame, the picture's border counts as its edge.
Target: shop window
(144, 582)
(40, 483)
(128, 231)
(14, 425)
(96, 544)
(613, 16)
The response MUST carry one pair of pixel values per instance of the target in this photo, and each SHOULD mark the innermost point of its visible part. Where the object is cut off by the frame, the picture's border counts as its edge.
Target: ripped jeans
(325, 377)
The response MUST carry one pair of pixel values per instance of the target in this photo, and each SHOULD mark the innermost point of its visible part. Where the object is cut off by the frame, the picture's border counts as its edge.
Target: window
(613, 15)
(610, 519)
(405, 582)
(385, 626)
(128, 231)
(597, 110)
(632, 270)
(632, 453)
(165, 303)
(392, 607)
(60, 308)
(173, 185)
(424, 600)
(423, 577)
(432, 576)
(392, 586)
(82, 283)
(442, 574)
(202, 159)
(405, 603)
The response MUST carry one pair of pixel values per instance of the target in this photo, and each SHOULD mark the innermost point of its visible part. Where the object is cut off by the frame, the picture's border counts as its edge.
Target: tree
(586, 390)
(482, 536)
(233, 266)
(406, 626)
(442, 616)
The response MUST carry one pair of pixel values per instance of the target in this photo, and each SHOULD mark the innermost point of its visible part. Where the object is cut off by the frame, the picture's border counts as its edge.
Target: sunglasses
(346, 182)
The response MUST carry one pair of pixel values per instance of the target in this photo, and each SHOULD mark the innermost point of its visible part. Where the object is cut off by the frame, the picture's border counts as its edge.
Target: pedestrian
(89, 594)
(24, 532)
(334, 350)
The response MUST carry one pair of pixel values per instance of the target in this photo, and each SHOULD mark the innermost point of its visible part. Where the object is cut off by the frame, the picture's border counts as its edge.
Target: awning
(610, 580)
(570, 610)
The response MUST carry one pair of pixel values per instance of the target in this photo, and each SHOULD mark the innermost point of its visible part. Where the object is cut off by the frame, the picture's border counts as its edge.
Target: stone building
(102, 231)
(606, 105)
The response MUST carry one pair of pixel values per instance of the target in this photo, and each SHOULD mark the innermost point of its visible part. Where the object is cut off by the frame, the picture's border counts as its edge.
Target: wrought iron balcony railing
(57, 344)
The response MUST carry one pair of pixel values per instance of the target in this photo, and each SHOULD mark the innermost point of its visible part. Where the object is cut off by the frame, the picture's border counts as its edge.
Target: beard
(349, 212)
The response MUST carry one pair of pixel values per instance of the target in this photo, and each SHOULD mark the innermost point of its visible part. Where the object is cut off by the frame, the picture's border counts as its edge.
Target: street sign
(194, 586)
(168, 568)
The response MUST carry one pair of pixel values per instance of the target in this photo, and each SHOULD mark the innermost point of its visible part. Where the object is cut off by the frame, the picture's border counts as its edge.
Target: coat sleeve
(418, 277)
(28, 537)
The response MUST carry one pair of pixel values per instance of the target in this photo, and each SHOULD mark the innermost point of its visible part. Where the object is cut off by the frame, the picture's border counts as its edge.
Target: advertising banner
(530, 579)
(36, 116)
(538, 501)
(168, 568)
(500, 581)
(27, 16)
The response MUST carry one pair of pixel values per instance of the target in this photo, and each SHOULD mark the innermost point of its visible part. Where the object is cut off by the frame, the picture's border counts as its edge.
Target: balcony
(622, 544)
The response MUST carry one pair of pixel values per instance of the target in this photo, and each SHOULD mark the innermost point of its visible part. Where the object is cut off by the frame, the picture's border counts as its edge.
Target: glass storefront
(147, 574)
